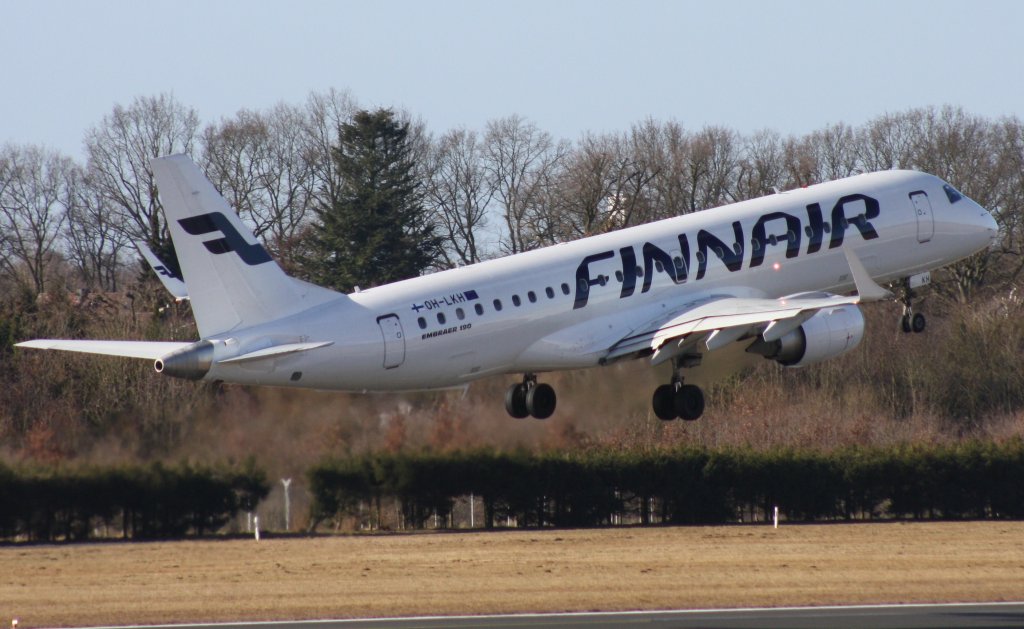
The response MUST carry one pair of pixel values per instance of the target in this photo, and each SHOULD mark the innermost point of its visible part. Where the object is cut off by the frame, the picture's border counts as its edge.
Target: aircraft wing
(130, 349)
(720, 320)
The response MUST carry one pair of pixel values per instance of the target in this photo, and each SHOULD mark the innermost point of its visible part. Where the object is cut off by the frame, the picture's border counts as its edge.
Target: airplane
(780, 277)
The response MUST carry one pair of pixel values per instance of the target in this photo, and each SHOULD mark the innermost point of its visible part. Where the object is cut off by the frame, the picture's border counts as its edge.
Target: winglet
(867, 289)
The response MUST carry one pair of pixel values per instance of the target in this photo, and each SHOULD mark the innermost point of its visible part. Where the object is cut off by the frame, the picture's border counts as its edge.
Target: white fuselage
(562, 307)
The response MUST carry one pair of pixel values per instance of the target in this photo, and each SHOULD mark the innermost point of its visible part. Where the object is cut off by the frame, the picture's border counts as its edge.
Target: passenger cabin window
(532, 296)
(565, 288)
(460, 314)
(440, 318)
(551, 292)
(479, 309)
(497, 305)
(952, 193)
(515, 300)
(422, 322)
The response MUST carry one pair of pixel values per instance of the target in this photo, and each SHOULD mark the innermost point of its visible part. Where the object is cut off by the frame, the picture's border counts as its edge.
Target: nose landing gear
(530, 399)
(912, 321)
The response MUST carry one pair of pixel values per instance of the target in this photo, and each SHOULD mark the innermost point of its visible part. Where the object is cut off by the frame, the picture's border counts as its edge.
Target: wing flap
(129, 349)
(722, 313)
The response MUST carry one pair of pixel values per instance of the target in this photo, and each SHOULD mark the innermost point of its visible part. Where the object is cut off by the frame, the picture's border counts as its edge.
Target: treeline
(131, 502)
(68, 269)
(684, 486)
(505, 188)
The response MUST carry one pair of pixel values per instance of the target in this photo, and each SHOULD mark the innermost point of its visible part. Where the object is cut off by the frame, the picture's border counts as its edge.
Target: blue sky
(569, 66)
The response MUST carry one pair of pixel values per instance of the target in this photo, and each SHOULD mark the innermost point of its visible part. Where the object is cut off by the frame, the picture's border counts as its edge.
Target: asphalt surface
(973, 615)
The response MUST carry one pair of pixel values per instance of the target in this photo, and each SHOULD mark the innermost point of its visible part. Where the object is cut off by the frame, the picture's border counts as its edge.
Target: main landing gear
(530, 399)
(685, 401)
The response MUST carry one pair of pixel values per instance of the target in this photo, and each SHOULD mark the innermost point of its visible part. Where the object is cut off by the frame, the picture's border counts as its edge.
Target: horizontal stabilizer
(129, 349)
(171, 281)
(275, 352)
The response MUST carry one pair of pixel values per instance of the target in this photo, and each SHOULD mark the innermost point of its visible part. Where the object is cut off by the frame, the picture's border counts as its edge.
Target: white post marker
(287, 505)
(256, 525)
(776, 517)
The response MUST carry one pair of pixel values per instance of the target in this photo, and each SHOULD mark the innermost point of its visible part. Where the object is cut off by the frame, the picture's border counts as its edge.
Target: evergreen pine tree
(375, 230)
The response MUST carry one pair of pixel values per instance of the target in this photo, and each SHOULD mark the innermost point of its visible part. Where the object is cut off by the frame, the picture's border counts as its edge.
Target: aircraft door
(925, 219)
(394, 340)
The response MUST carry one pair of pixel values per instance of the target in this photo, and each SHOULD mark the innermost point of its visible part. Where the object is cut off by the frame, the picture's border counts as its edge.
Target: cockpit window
(952, 194)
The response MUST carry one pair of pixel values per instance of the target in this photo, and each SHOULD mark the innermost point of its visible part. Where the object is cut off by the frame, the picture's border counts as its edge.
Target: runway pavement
(854, 617)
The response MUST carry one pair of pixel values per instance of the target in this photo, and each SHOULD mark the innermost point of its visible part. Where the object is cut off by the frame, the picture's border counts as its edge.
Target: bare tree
(669, 147)
(324, 114)
(520, 160)
(713, 163)
(604, 184)
(257, 161)
(888, 141)
(1007, 202)
(838, 152)
(762, 169)
(585, 187)
(119, 149)
(459, 193)
(94, 239)
(38, 187)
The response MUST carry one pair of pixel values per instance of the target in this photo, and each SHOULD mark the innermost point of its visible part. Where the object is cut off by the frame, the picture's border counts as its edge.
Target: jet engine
(191, 363)
(827, 334)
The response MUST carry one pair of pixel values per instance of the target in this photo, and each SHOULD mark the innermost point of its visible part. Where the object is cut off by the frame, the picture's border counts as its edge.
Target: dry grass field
(470, 573)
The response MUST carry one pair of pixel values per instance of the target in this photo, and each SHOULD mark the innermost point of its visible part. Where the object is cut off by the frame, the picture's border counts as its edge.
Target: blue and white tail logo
(166, 272)
(251, 254)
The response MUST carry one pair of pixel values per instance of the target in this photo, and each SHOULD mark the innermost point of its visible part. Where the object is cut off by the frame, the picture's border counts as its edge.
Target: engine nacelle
(829, 333)
(191, 363)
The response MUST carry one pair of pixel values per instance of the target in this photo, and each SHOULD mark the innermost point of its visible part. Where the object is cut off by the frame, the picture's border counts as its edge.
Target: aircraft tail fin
(232, 281)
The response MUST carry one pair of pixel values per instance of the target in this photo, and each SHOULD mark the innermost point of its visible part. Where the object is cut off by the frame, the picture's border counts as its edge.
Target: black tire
(905, 324)
(689, 402)
(664, 403)
(515, 401)
(918, 323)
(540, 401)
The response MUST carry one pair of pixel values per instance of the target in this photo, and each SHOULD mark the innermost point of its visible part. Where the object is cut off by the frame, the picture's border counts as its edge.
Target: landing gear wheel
(689, 402)
(664, 402)
(540, 401)
(515, 401)
(918, 323)
(905, 324)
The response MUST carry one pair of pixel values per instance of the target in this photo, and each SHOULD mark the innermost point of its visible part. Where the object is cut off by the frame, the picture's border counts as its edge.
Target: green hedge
(140, 502)
(688, 486)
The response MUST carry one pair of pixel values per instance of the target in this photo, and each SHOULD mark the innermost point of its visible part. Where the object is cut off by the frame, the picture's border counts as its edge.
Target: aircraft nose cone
(992, 227)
